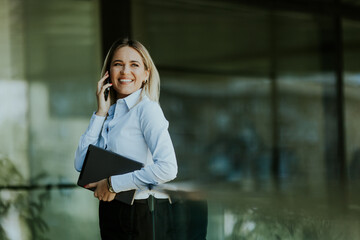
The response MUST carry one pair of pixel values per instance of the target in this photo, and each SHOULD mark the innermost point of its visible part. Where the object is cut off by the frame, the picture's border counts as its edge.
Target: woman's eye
(134, 65)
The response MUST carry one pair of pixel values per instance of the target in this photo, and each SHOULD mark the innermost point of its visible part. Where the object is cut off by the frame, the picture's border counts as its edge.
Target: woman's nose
(125, 69)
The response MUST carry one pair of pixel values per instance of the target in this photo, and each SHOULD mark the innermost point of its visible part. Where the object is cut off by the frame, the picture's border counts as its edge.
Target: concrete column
(14, 169)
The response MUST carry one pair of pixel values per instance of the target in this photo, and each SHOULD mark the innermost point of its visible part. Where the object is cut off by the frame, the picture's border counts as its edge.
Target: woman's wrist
(110, 188)
(101, 113)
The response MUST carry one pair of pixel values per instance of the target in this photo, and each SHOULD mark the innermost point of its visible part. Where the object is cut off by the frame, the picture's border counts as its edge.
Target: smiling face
(127, 71)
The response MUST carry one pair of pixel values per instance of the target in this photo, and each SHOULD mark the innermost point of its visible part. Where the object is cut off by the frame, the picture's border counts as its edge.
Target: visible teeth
(125, 80)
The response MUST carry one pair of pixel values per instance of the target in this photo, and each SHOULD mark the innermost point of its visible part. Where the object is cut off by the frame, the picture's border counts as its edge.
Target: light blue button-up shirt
(135, 128)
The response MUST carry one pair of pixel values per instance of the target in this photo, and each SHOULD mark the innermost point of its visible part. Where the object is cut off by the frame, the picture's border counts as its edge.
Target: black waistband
(145, 201)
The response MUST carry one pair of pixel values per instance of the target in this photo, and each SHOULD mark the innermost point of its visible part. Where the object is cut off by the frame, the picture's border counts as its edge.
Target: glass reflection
(231, 74)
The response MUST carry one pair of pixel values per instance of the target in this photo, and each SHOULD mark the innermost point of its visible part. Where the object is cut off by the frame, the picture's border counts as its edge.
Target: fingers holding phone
(107, 90)
(103, 95)
(104, 80)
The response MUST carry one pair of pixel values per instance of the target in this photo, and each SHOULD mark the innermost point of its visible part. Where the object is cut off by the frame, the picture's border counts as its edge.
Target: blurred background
(262, 97)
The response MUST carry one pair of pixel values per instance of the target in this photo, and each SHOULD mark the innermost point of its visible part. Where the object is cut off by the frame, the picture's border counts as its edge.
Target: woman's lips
(125, 81)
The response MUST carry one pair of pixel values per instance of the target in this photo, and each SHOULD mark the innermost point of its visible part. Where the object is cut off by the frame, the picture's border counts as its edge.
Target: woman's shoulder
(150, 110)
(148, 106)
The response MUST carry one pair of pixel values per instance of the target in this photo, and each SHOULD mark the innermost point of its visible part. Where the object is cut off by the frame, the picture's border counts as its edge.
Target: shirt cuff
(123, 182)
(96, 123)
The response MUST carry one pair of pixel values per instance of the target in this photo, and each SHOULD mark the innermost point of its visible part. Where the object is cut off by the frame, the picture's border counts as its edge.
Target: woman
(131, 123)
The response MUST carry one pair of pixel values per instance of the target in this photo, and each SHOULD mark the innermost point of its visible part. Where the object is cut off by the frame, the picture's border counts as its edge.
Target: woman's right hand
(103, 106)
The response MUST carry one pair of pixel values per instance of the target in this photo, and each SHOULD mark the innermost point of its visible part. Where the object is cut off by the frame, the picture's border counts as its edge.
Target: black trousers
(122, 221)
(184, 220)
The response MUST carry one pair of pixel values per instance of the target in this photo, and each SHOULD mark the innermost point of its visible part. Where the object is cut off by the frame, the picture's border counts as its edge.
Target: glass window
(351, 88)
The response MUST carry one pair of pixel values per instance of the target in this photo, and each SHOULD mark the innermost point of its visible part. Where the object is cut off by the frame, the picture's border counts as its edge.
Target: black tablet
(100, 164)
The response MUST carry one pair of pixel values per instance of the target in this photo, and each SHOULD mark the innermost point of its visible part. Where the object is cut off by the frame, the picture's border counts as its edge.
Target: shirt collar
(132, 99)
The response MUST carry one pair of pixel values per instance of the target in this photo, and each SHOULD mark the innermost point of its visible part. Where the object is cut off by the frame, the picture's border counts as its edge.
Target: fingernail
(86, 186)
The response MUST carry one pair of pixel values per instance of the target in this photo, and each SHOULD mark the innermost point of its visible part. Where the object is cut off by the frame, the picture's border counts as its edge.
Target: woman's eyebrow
(119, 60)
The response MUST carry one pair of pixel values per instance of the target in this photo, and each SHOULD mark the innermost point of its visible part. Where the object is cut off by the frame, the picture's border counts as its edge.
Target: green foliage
(4, 207)
(281, 225)
(9, 174)
(38, 226)
(29, 204)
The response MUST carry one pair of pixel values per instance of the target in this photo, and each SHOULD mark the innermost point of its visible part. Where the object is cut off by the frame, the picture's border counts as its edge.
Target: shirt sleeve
(91, 136)
(154, 127)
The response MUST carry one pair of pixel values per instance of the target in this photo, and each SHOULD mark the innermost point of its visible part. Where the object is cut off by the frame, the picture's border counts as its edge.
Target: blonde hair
(151, 87)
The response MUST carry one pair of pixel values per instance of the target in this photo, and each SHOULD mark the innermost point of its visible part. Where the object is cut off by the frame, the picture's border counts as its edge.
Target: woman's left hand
(102, 192)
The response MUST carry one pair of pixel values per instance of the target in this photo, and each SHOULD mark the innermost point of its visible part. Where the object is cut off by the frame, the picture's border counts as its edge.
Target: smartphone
(107, 90)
